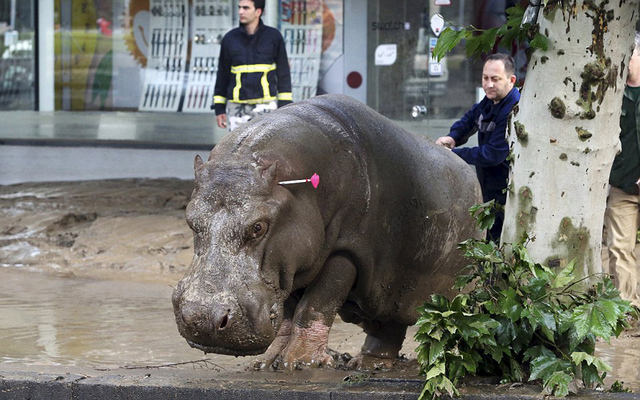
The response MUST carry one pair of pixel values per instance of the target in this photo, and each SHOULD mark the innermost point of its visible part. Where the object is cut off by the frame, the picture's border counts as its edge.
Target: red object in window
(354, 80)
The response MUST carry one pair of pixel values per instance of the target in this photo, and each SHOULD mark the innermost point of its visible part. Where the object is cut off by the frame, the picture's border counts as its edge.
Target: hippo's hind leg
(381, 347)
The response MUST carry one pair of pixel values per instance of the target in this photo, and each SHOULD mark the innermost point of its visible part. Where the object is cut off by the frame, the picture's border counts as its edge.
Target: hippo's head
(253, 240)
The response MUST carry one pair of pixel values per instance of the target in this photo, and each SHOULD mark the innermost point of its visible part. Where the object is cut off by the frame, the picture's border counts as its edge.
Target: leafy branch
(519, 320)
(482, 41)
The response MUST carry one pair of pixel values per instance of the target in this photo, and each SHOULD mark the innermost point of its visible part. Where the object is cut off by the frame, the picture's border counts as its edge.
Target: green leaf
(599, 318)
(558, 384)
(470, 362)
(540, 42)
(456, 368)
(511, 305)
(591, 377)
(438, 387)
(540, 317)
(565, 276)
(448, 39)
(580, 357)
(481, 43)
(517, 372)
(544, 366)
(436, 351)
(437, 369)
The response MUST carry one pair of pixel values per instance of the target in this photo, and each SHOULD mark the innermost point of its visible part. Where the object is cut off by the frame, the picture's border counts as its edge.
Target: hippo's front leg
(270, 359)
(315, 313)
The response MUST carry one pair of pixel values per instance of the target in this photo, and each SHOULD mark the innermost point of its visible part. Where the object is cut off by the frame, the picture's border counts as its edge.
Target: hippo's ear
(197, 162)
(269, 173)
(197, 165)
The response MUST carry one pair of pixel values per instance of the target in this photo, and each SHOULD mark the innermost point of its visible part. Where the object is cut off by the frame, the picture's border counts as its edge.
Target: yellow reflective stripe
(241, 69)
(219, 100)
(265, 85)
(285, 96)
(256, 101)
(236, 88)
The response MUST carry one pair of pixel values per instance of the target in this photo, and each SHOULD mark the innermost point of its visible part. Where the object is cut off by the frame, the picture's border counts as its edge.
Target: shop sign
(386, 54)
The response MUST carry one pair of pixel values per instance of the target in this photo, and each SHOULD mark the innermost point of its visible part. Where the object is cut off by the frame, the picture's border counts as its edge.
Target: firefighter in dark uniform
(253, 70)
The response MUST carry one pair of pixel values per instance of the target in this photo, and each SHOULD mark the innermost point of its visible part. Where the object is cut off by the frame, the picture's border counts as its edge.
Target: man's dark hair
(507, 60)
(259, 4)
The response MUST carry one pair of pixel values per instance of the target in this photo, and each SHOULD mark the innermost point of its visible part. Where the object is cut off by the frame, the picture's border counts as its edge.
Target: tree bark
(565, 133)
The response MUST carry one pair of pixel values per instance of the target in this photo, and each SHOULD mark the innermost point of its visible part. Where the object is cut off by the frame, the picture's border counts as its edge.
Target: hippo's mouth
(225, 350)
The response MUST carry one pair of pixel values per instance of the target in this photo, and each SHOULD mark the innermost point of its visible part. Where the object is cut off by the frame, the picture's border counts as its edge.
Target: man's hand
(222, 120)
(446, 141)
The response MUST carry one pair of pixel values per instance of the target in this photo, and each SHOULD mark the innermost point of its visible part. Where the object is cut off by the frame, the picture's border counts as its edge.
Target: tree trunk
(565, 134)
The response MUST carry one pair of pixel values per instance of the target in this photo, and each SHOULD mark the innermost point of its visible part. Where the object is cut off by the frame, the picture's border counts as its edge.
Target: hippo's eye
(258, 230)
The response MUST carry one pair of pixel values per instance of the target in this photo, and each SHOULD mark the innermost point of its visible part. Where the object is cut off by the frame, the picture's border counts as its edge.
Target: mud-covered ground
(134, 230)
(115, 229)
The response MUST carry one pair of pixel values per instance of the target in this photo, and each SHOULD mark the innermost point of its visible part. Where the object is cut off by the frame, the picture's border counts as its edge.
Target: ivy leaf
(482, 43)
(470, 362)
(517, 372)
(511, 307)
(599, 318)
(539, 317)
(438, 387)
(579, 357)
(437, 369)
(544, 366)
(564, 276)
(540, 42)
(436, 351)
(591, 376)
(558, 384)
(448, 39)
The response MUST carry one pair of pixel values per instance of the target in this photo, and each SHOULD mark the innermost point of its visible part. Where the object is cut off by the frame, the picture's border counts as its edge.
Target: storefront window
(161, 55)
(410, 76)
(405, 78)
(17, 77)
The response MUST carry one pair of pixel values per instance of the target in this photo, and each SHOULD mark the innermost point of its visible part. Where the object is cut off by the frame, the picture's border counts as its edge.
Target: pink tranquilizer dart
(315, 180)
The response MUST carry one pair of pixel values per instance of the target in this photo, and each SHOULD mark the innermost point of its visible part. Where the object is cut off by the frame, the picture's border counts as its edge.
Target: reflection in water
(47, 320)
(623, 356)
(51, 320)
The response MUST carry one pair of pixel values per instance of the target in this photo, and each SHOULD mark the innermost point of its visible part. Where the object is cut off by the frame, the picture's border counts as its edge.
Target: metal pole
(13, 15)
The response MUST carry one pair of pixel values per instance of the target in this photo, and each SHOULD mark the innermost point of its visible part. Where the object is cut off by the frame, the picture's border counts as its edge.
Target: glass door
(17, 55)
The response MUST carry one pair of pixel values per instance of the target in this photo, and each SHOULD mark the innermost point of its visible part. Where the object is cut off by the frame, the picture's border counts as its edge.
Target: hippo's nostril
(224, 321)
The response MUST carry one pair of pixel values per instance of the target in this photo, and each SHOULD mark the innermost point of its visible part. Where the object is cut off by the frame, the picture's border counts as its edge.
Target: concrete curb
(198, 385)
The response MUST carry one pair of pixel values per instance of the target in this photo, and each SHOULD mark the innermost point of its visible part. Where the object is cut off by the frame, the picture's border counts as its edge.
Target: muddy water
(101, 324)
(47, 320)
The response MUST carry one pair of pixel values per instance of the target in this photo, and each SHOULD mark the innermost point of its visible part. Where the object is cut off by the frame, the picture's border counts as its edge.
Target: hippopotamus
(274, 264)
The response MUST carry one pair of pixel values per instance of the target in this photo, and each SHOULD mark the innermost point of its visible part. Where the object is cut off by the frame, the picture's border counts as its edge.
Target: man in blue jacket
(253, 70)
(489, 118)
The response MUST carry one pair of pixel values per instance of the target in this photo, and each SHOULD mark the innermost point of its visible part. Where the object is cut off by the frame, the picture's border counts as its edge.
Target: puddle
(49, 320)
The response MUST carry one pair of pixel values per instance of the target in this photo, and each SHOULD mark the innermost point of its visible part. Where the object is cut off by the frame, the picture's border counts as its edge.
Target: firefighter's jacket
(252, 69)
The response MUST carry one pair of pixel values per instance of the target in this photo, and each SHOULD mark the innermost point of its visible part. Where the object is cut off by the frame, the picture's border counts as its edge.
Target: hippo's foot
(272, 357)
(367, 362)
(381, 346)
(305, 347)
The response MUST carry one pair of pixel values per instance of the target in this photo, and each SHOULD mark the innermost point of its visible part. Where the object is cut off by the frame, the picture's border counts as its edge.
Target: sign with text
(386, 54)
